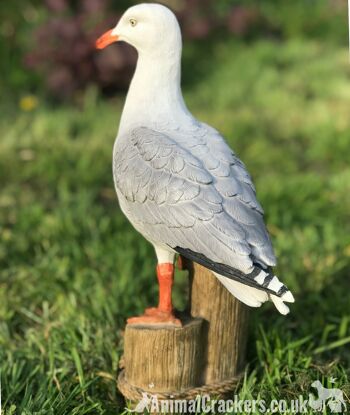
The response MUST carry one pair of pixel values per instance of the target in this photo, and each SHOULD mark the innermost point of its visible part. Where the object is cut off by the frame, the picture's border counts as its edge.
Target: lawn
(73, 269)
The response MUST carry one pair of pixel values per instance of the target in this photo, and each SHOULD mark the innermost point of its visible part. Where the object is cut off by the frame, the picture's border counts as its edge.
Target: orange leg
(164, 313)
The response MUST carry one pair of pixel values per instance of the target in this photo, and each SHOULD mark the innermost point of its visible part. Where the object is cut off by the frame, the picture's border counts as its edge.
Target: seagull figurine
(177, 180)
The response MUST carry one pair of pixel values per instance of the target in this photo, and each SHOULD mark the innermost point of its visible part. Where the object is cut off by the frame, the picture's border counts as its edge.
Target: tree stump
(205, 356)
(225, 325)
(163, 359)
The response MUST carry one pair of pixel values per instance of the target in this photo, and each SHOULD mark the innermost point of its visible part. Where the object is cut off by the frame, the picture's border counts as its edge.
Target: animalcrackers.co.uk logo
(327, 400)
(323, 400)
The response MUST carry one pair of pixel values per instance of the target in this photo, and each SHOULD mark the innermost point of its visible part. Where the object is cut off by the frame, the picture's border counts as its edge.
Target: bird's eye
(133, 22)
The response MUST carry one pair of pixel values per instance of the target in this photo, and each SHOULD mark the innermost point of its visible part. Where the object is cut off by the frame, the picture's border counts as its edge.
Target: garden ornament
(177, 180)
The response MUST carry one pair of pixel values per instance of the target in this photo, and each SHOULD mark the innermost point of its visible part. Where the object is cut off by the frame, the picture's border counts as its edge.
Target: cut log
(164, 359)
(225, 325)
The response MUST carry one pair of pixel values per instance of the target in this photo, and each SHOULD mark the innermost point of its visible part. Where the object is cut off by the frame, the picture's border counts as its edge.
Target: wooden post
(225, 324)
(203, 356)
(163, 359)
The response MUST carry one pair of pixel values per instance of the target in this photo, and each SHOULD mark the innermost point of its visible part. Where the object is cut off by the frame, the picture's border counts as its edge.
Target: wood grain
(164, 358)
(225, 325)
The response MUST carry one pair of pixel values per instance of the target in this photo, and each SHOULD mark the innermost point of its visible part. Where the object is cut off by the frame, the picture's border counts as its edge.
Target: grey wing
(235, 185)
(172, 198)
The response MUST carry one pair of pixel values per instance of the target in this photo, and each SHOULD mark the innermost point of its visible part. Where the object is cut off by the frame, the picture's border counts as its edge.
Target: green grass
(73, 269)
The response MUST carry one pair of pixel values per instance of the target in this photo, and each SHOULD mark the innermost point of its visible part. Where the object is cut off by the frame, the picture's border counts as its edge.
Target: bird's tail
(255, 297)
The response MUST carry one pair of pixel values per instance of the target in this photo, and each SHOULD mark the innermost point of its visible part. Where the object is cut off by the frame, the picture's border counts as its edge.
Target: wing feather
(194, 193)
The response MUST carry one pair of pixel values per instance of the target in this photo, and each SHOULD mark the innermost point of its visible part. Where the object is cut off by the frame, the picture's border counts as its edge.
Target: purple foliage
(241, 19)
(64, 53)
(64, 49)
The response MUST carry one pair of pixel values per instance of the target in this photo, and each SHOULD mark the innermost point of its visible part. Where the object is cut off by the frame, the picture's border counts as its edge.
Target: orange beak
(106, 39)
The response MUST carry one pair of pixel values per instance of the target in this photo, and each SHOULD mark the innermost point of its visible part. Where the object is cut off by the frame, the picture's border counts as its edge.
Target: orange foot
(155, 316)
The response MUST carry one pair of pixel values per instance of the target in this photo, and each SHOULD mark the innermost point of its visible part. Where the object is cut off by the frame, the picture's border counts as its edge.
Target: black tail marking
(230, 272)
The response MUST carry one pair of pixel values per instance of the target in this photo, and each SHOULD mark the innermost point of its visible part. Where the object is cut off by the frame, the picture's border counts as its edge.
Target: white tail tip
(288, 296)
(279, 304)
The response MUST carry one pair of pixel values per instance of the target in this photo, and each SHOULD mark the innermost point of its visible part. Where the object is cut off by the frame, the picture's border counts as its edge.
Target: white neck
(155, 96)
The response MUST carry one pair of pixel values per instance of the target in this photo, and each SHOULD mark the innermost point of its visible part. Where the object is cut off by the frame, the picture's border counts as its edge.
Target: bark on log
(164, 359)
(225, 325)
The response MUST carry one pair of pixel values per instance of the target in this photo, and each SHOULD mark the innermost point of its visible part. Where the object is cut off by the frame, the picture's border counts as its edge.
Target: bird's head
(150, 28)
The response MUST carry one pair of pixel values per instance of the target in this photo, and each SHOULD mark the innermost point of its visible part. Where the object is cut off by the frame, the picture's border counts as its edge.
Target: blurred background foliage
(48, 46)
(274, 77)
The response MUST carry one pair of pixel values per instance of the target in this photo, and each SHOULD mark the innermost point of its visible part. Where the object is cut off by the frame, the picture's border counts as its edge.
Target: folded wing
(192, 193)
